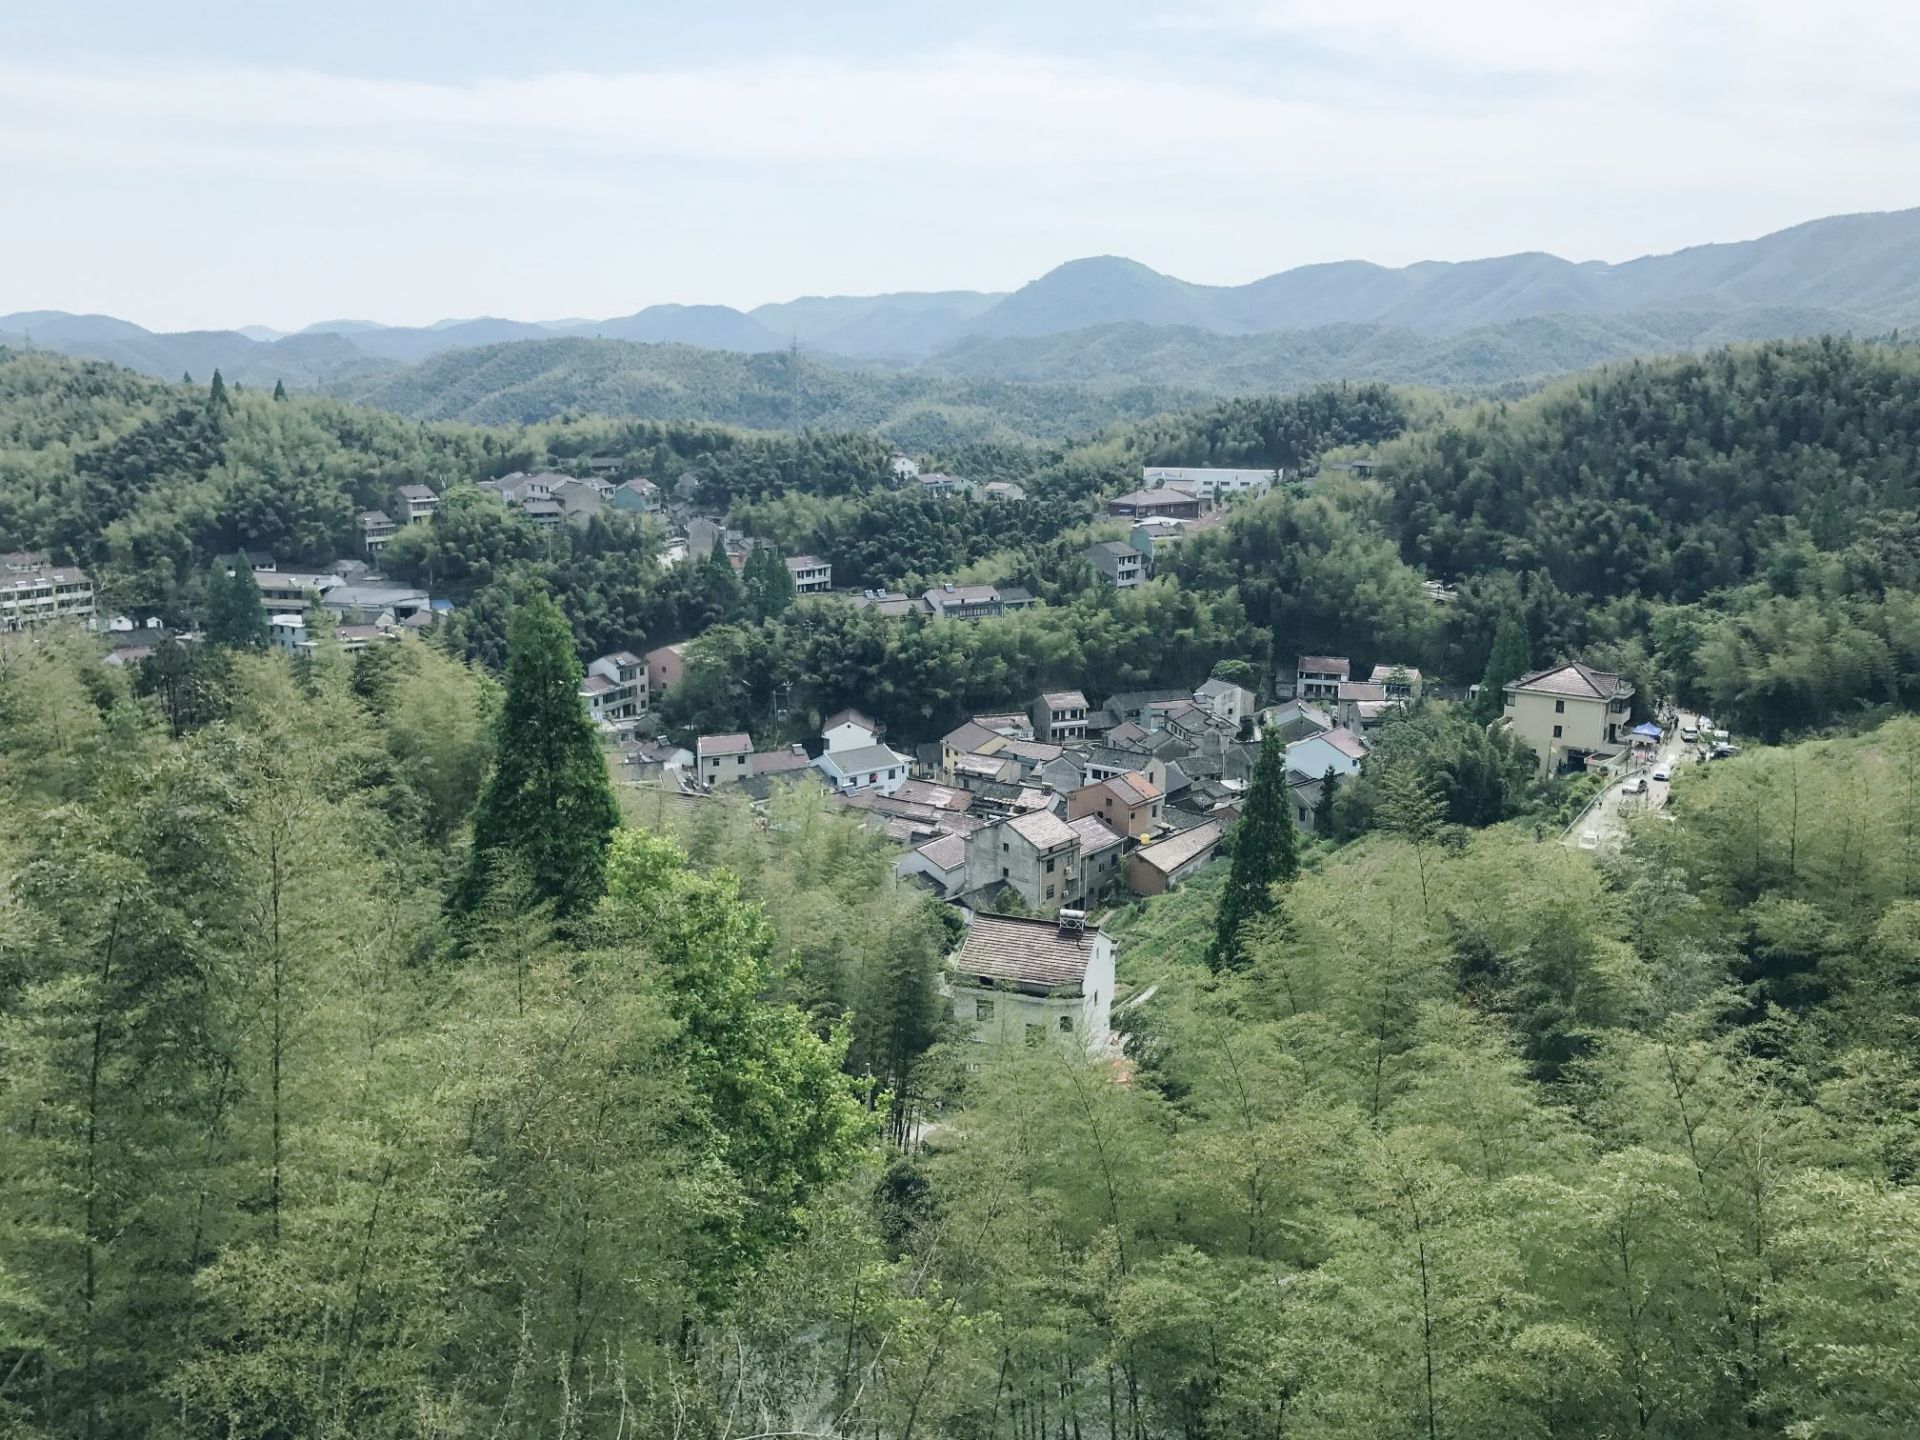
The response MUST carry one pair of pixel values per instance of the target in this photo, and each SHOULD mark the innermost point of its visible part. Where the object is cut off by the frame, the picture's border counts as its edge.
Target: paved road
(1607, 820)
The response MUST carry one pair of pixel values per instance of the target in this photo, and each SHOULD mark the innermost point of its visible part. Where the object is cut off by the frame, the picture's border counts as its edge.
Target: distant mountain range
(1108, 320)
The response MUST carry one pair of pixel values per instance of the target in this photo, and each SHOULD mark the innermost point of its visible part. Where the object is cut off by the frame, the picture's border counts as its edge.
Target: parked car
(1663, 772)
(1637, 785)
(1589, 839)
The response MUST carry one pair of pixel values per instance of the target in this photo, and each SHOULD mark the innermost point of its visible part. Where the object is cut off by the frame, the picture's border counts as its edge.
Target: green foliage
(1506, 662)
(1265, 854)
(236, 615)
(547, 805)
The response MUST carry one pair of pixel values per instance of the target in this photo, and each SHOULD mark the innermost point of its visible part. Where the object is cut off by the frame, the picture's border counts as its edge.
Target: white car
(1589, 839)
(1635, 786)
(1663, 772)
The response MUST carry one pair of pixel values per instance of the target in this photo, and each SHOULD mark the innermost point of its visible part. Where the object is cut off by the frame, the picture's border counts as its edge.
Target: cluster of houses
(34, 590)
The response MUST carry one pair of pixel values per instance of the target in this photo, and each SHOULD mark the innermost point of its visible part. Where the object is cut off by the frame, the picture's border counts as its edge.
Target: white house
(850, 730)
(1033, 981)
(1214, 482)
(1225, 701)
(723, 758)
(863, 767)
(614, 689)
(811, 574)
(942, 861)
(1338, 750)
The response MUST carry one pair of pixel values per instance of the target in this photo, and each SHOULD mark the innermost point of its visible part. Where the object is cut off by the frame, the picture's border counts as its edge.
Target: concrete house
(636, 496)
(1226, 701)
(1059, 716)
(1130, 804)
(376, 528)
(1362, 705)
(33, 589)
(863, 767)
(1121, 566)
(850, 730)
(1002, 492)
(1164, 865)
(940, 864)
(418, 504)
(614, 690)
(1401, 682)
(1319, 677)
(811, 575)
(292, 591)
(1018, 981)
(1338, 750)
(1101, 851)
(1036, 854)
(963, 602)
(1165, 503)
(970, 738)
(1566, 713)
(723, 759)
(665, 666)
(1214, 482)
(1156, 539)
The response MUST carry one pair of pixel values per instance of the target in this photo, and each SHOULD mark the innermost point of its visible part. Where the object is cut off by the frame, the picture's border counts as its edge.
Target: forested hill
(1668, 478)
(533, 380)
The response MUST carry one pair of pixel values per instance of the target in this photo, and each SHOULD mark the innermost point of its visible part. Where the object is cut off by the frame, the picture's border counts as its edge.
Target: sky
(202, 165)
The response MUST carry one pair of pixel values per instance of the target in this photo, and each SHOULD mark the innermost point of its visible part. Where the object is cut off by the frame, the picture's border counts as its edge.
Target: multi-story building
(723, 759)
(33, 590)
(964, 602)
(291, 592)
(418, 503)
(376, 528)
(1034, 981)
(1060, 716)
(1035, 854)
(665, 665)
(1143, 504)
(1121, 566)
(1129, 803)
(1215, 483)
(1319, 677)
(811, 574)
(614, 690)
(1566, 713)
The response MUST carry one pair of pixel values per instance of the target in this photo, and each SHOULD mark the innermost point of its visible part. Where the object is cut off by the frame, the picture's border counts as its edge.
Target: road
(1607, 820)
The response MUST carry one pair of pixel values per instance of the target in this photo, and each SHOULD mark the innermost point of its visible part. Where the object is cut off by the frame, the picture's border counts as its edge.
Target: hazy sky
(201, 165)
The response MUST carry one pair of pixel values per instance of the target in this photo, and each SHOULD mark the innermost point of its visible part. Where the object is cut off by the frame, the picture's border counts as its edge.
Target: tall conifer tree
(548, 807)
(1264, 851)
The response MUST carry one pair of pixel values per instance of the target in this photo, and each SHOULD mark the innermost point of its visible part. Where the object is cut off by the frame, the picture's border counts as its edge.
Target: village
(1030, 822)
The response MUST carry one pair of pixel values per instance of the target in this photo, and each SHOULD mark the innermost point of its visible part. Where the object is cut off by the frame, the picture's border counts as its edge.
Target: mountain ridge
(1861, 271)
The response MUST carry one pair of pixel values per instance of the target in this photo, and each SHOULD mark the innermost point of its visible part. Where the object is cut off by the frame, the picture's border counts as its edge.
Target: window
(983, 1009)
(1066, 1023)
(1049, 892)
(1003, 872)
(1559, 707)
(1556, 732)
(1050, 865)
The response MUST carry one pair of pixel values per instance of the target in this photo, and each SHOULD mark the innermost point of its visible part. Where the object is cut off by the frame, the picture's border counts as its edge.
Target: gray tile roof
(1033, 954)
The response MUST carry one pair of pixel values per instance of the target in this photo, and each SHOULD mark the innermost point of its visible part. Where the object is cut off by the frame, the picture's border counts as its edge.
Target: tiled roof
(1065, 699)
(841, 717)
(1338, 664)
(622, 657)
(1358, 690)
(1137, 498)
(723, 744)
(940, 797)
(806, 562)
(1169, 855)
(1034, 752)
(1041, 829)
(1036, 954)
(1575, 680)
(596, 685)
(974, 763)
(416, 492)
(1346, 742)
(1383, 673)
(778, 762)
(1094, 834)
(949, 852)
(864, 757)
(1134, 788)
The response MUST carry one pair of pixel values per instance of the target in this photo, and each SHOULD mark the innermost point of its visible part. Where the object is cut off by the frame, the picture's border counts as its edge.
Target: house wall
(1583, 725)
(1089, 1015)
(847, 736)
(886, 781)
(725, 769)
(1131, 820)
(999, 852)
(664, 669)
(951, 882)
(1315, 756)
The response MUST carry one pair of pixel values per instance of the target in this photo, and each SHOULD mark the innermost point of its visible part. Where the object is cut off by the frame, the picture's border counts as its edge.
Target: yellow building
(1569, 712)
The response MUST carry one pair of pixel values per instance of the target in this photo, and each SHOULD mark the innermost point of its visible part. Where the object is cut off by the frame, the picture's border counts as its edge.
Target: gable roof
(1169, 855)
(949, 852)
(1034, 954)
(1383, 673)
(778, 762)
(1094, 834)
(1041, 829)
(415, 492)
(1133, 787)
(1359, 690)
(939, 797)
(1161, 496)
(1576, 681)
(723, 745)
(1064, 699)
(969, 737)
(1217, 686)
(1346, 742)
(842, 717)
(864, 757)
(1338, 664)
